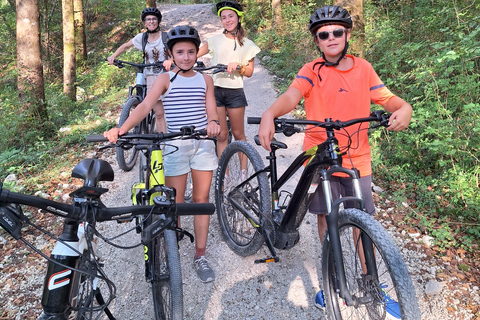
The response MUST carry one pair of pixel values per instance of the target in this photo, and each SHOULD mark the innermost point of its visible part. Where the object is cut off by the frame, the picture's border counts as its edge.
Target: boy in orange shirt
(337, 86)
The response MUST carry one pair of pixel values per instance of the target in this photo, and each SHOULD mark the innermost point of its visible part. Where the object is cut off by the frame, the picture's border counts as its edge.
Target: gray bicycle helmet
(329, 15)
(182, 33)
(151, 11)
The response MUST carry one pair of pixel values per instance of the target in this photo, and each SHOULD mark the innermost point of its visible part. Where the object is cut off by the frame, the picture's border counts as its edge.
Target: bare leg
(322, 226)
(201, 189)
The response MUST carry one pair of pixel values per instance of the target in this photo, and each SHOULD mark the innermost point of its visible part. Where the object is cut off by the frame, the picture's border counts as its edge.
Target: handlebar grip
(188, 209)
(254, 120)
(96, 138)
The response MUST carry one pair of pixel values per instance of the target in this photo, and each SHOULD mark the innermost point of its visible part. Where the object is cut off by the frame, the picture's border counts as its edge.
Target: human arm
(401, 113)
(203, 50)
(159, 87)
(120, 50)
(283, 105)
(246, 71)
(213, 127)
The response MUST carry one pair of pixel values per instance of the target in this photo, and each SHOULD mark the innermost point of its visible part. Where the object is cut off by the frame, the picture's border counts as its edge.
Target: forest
(55, 88)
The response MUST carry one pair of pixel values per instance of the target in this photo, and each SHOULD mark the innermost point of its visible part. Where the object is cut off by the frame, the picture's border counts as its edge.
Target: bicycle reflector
(10, 221)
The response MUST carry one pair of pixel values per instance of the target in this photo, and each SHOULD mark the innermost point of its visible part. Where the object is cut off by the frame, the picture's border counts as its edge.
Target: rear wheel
(241, 206)
(126, 158)
(385, 284)
(167, 277)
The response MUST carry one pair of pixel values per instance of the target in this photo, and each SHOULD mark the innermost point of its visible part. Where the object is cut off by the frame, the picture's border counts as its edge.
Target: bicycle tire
(127, 158)
(167, 278)
(83, 292)
(393, 277)
(238, 232)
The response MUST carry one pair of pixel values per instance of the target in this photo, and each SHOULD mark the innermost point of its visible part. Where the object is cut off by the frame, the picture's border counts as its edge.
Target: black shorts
(343, 187)
(230, 98)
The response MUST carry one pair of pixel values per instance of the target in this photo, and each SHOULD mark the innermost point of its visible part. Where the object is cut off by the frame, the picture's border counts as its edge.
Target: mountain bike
(363, 271)
(75, 275)
(127, 158)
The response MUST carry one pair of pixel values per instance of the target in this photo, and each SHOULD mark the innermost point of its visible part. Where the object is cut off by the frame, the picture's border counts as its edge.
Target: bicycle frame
(322, 161)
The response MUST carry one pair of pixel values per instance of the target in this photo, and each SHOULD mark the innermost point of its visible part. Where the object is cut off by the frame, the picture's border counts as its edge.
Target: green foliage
(31, 151)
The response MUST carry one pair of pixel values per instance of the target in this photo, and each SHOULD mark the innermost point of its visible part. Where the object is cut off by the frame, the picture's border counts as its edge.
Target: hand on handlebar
(232, 66)
(111, 59)
(266, 132)
(167, 64)
(113, 134)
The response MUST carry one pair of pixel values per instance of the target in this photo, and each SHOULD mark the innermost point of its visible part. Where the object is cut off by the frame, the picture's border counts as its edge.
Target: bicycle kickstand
(101, 301)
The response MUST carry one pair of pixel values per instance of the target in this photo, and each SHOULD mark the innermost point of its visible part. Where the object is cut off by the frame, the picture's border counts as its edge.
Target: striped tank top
(184, 102)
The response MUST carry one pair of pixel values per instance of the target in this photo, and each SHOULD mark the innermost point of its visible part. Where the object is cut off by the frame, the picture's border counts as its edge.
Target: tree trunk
(355, 8)
(151, 3)
(80, 37)
(31, 93)
(276, 12)
(68, 49)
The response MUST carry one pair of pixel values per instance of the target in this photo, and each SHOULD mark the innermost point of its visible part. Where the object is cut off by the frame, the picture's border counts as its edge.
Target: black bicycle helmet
(329, 15)
(151, 11)
(181, 33)
(230, 5)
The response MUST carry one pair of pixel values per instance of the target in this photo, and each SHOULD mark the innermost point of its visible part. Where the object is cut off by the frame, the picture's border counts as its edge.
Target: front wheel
(385, 287)
(241, 207)
(126, 158)
(167, 278)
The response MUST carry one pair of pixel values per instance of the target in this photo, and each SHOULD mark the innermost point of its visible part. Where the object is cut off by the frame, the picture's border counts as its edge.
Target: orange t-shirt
(342, 95)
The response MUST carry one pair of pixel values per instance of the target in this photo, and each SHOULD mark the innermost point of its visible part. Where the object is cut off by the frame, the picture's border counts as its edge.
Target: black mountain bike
(127, 158)
(362, 268)
(75, 272)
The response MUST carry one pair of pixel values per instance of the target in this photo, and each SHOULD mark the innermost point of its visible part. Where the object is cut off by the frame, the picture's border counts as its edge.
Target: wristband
(216, 121)
(242, 70)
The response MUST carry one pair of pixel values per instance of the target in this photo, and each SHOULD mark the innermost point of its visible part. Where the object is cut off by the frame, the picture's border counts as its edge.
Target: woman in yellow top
(231, 48)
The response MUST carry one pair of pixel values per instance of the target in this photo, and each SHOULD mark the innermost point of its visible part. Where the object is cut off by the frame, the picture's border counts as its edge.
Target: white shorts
(191, 154)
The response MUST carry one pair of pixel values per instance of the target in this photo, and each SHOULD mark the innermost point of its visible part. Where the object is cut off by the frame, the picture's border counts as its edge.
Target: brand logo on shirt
(342, 90)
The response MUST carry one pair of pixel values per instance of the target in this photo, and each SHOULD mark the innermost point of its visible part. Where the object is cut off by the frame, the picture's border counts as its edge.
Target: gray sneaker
(205, 273)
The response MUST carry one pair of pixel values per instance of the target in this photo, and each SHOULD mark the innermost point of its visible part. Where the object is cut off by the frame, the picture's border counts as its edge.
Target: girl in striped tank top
(188, 99)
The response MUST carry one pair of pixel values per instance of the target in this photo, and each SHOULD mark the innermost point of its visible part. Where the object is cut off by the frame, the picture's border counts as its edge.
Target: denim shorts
(343, 187)
(230, 98)
(191, 154)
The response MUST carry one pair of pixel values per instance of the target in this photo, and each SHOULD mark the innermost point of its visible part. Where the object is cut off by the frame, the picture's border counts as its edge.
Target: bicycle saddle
(92, 171)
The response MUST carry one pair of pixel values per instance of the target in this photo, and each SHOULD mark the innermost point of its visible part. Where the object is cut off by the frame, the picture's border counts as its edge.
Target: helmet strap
(327, 63)
(180, 69)
(234, 34)
(155, 30)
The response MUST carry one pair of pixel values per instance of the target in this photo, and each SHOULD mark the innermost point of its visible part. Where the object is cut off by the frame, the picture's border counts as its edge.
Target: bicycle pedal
(267, 260)
(125, 220)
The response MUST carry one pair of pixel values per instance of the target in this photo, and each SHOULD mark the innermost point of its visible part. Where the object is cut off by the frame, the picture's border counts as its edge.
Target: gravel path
(243, 290)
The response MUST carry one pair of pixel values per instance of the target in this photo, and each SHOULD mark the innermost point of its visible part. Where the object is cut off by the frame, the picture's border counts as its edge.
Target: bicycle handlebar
(140, 66)
(12, 221)
(216, 68)
(287, 125)
(187, 132)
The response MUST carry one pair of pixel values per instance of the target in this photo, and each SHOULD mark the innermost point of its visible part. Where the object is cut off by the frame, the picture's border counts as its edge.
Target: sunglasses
(337, 33)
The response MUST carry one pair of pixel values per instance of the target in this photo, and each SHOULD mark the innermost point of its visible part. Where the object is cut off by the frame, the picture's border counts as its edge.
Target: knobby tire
(393, 277)
(238, 232)
(167, 278)
(126, 158)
